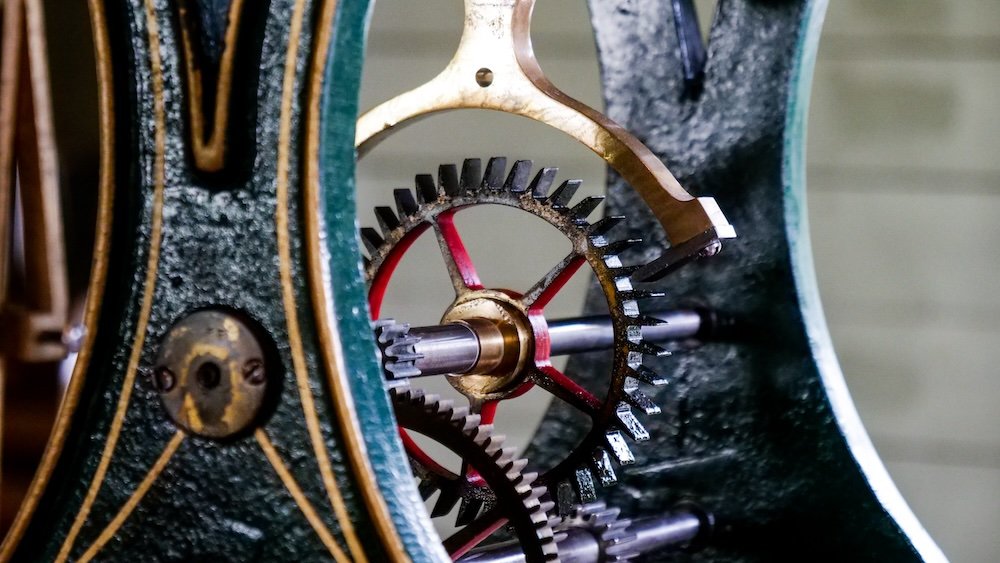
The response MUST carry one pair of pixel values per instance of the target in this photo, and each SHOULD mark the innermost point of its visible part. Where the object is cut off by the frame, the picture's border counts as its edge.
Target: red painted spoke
(457, 261)
(565, 389)
(546, 288)
(487, 411)
(459, 543)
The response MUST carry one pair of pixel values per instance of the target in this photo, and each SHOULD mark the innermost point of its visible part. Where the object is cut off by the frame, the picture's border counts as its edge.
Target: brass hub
(506, 343)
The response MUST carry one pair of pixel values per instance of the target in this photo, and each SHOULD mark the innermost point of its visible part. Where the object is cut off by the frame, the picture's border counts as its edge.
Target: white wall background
(904, 204)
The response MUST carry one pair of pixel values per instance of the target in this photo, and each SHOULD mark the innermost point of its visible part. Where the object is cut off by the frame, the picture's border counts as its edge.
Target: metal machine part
(594, 533)
(456, 348)
(211, 373)
(519, 331)
(490, 490)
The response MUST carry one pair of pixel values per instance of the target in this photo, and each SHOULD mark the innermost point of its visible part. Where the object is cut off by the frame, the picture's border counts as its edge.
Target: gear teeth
(638, 399)
(648, 376)
(446, 502)
(647, 320)
(601, 228)
(427, 190)
(517, 180)
(603, 470)
(621, 246)
(635, 294)
(649, 349)
(630, 308)
(459, 413)
(564, 194)
(471, 422)
(371, 239)
(406, 204)
(448, 179)
(483, 434)
(587, 205)
(472, 175)
(495, 169)
(468, 510)
(387, 219)
(583, 485)
(619, 448)
(426, 488)
(630, 424)
(540, 186)
(515, 467)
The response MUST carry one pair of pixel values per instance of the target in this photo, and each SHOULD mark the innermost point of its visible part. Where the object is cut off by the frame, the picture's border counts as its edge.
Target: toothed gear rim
(515, 496)
(606, 526)
(433, 205)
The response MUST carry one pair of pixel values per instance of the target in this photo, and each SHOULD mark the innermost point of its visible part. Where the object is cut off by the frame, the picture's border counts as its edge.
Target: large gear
(433, 207)
(490, 489)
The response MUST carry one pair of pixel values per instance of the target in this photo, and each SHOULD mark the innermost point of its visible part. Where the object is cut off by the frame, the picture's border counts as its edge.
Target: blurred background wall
(904, 207)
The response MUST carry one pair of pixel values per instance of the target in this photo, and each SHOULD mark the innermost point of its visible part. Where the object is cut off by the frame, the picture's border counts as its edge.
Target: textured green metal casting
(760, 431)
(218, 248)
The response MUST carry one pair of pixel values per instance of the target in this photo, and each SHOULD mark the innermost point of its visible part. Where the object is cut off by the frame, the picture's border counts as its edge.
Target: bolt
(711, 250)
(253, 372)
(164, 379)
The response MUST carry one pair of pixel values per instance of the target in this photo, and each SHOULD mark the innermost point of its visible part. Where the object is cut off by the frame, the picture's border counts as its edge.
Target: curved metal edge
(797, 225)
(348, 306)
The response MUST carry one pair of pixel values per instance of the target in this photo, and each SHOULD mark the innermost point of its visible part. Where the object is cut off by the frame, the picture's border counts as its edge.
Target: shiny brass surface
(495, 68)
(211, 374)
(505, 341)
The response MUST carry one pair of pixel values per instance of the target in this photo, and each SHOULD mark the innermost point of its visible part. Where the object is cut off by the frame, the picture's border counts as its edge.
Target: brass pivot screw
(211, 373)
(253, 372)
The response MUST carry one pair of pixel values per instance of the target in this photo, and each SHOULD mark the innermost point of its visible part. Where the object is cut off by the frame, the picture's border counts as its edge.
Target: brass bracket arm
(495, 68)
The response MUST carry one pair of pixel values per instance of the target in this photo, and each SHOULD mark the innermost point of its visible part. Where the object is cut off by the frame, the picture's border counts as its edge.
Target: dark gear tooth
(517, 180)
(603, 470)
(472, 175)
(446, 501)
(605, 225)
(650, 349)
(387, 219)
(427, 190)
(406, 205)
(637, 398)
(582, 210)
(496, 167)
(540, 186)
(448, 179)
(468, 510)
(630, 424)
(647, 320)
(619, 447)
(621, 246)
(583, 484)
(648, 376)
(564, 193)
(426, 488)
(371, 239)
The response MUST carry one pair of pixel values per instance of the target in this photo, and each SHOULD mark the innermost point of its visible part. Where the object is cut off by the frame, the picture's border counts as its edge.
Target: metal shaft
(455, 349)
(675, 530)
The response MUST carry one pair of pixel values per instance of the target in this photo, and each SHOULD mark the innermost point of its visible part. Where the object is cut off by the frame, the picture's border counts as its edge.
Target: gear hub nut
(217, 370)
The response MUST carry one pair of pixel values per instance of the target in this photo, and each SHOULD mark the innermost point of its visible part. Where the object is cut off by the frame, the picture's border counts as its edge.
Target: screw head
(253, 371)
(711, 250)
(164, 379)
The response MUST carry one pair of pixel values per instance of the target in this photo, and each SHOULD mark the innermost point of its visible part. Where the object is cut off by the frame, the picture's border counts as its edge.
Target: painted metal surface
(760, 430)
(121, 481)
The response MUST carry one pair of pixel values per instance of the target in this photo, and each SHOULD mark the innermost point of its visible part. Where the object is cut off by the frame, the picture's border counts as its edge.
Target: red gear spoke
(459, 543)
(546, 288)
(461, 270)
